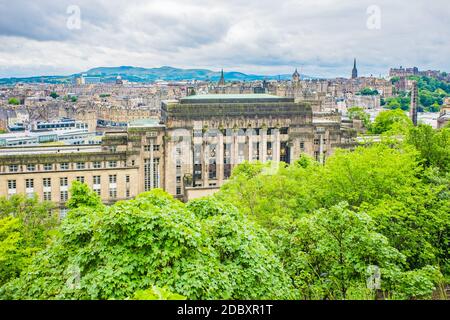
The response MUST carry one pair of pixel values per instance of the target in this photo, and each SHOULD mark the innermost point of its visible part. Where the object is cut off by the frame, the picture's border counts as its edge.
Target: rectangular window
(63, 196)
(151, 174)
(81, 165)
(112, 164)
(47, 182)
(113, 193)
(97, 165)
(48, 167)
(13, 168)
(128, 193)
(31, 167)
(64, 166)
(98, 191)
(226, 171)
(317, 155)
(132, 163)
(113, 178)
(178, 190)
(80, 179)
(302, 145)
(63, 182)
(47, 196)
(255, 155)
(29, 183)
(12, 184)
(127, 179)
(96, 180)
(178, 179)
(63, 213)
(156, 147)
(284, 131)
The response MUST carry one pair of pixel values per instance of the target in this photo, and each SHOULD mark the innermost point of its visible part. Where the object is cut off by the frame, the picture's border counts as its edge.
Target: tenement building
(189, 152)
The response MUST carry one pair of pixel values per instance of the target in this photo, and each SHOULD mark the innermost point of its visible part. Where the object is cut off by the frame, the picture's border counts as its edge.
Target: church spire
(222, 79)
(355, 70)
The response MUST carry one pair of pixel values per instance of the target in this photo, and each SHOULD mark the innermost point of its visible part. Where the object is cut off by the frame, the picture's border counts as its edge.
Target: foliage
(402, 101)
(407, 205)
(389, 120)
(333, 249)
(433, 145)
(368, 92)
(26, 226)
(155, 293)
(54, 95)
(358, 113)
(13, 101)
(82, 196)
(206, 252)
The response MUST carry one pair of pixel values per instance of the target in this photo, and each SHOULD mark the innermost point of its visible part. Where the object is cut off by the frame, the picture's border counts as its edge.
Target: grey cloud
(323, 36)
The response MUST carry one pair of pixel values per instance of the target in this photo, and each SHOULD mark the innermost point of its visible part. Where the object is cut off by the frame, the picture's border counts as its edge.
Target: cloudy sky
(320, 37)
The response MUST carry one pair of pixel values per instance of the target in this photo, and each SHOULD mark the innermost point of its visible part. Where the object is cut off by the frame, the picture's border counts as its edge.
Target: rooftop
(149, 122)
(233, 98)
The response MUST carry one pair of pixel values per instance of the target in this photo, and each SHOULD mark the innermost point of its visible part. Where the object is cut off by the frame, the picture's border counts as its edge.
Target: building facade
(189, 152)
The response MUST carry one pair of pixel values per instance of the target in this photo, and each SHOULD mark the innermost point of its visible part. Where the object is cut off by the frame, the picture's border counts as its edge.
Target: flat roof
(149, 122)
(234, 98)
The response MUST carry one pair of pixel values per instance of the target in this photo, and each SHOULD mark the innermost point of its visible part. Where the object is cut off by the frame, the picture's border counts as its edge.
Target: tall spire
(222, 79)
(296, 76)
(354, 71)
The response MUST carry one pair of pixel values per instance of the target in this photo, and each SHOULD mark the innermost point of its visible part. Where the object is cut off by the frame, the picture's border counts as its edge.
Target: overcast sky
(320, 37)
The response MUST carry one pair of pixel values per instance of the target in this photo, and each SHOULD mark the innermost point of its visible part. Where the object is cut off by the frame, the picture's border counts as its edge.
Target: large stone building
(189, 152)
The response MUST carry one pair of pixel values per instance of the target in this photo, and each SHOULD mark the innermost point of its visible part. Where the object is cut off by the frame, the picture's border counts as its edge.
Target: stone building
(189, 152)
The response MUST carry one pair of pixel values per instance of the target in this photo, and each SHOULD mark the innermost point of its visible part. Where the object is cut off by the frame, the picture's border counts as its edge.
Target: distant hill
(136, 74)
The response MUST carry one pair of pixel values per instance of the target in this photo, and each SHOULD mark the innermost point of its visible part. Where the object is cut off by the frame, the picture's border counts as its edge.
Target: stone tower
(414, 103)
(354, 71)
(296, 77)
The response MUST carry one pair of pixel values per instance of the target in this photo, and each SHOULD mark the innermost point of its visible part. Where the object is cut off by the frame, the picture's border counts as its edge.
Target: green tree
(83, 196)
(201, 252)
(54, 95)
(26, 227)
(390, 119)
(358, 113)
(13, 101)
(433, 145)
(368, 92)
(333, 249)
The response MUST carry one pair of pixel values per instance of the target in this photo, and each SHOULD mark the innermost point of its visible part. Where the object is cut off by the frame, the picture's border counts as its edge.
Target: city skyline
(320, 38)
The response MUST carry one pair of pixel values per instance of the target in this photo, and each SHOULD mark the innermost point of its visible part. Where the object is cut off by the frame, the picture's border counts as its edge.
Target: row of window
(63, 182)
(64, 166)
(148, 147)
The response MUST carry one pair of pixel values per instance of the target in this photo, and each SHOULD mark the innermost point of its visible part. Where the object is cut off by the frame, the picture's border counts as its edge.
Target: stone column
(151, 165)
(219, 159)
(249, 138)
(205, 162)
(234, 149)
(263, 145)
(321, 149)
(276, 145)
